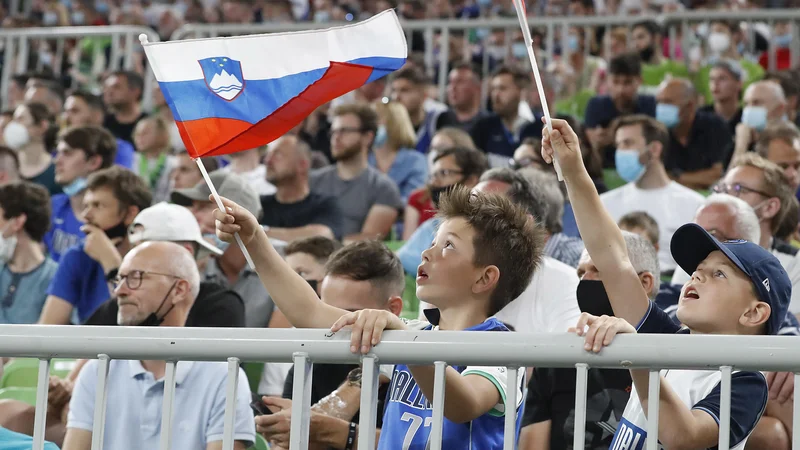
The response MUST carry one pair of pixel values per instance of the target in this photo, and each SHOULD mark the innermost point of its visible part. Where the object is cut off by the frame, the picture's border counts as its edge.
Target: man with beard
(294, 212)
(625, 77)
(80, 152)
(647, 39)
(369, 200)
(113, 199)
(122, 92)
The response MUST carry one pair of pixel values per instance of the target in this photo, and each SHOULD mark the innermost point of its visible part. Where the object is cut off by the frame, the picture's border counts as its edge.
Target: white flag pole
(526, 34)
(221, 207)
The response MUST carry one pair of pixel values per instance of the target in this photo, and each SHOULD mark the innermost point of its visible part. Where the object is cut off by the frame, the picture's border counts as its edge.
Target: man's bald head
(679, 93)
(287, 158)
(769, 95)
(679, 88)
(167, 258)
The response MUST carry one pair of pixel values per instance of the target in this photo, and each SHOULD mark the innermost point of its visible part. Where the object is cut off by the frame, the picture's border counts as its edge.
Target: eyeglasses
(736, 190)
(444, 173)
(134, 278)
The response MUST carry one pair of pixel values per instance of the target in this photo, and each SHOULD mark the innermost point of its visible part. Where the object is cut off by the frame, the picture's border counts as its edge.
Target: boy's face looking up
(447, 274)
(719, 299)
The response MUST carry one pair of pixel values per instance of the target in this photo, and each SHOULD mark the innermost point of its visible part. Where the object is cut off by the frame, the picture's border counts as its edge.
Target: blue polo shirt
(10, 440)
(81, 282)
(65, 228)
(135, 422)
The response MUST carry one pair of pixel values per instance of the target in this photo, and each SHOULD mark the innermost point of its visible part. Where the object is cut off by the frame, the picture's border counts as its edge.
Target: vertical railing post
(40, 417)
(725, 408)
(100, 402)
(232, 385)
(435, 440)
(581, 380)
(368, 412)
(653, 401)
(301, 402)
(796, 413)
(510, 431)
(166, 409)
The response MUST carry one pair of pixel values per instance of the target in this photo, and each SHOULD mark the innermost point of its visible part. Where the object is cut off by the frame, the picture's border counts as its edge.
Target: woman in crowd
(393, 150)
(31, 134)
(420, 206)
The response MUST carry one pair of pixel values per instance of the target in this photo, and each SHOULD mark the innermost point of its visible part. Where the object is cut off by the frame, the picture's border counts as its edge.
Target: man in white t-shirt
(641, 146)
(549, 303)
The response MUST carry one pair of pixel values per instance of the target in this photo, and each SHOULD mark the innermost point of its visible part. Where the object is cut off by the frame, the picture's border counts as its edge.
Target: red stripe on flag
(212, 136)
(524, 10)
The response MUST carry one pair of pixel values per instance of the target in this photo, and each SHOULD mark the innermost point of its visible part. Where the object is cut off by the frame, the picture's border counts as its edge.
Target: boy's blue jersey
(408, 416)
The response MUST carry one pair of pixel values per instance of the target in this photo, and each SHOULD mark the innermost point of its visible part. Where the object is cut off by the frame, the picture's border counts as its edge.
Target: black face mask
(593, 299)
(119, 230)
(646, 54)
(153, 320)
(436, 193)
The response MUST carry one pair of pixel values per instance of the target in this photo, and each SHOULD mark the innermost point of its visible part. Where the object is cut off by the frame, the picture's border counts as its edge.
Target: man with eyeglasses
(156, 285)
(294, 212)
(369, 200)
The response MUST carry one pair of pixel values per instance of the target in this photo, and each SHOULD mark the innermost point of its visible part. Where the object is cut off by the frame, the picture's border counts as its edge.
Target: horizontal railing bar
(773, 353)
(459, 24)
(78, 31)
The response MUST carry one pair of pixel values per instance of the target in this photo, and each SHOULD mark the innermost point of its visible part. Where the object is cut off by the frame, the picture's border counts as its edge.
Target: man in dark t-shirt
(122, 92)
(294, 212)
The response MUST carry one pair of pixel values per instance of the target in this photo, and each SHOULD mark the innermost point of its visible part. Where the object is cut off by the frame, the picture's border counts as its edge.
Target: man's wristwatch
(354, 377)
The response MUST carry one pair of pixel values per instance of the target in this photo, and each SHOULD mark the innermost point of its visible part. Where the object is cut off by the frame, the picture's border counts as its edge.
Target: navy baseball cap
(691, 244)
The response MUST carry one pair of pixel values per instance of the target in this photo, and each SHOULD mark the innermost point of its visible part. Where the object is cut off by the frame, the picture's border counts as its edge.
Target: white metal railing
(677, 29)
(305, 347)
(18, 42)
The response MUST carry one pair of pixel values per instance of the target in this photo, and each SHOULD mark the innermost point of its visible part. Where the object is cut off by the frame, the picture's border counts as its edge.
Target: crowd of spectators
(106, 220)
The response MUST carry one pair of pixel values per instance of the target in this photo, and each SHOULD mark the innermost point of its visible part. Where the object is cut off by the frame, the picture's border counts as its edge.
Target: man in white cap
(215, 306)
(230, 269)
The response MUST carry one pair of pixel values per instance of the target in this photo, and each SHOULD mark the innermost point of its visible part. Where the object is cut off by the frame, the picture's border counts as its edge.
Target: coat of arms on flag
(223, 76)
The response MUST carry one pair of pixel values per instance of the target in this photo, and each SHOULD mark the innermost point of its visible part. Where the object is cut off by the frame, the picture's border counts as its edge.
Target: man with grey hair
(156, 285)
(764, 104)
(545, 189)
(548, 419)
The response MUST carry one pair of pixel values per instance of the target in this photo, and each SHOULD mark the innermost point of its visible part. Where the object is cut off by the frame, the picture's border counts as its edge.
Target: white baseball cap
(168, 222)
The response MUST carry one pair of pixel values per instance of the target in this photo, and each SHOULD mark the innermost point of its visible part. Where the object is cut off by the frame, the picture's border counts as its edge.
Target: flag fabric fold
(238, 93)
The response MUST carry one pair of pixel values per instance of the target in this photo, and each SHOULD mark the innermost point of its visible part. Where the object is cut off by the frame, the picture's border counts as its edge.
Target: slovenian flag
(238, 93)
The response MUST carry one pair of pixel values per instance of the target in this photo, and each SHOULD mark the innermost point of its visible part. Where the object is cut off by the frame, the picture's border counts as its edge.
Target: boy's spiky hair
(505, 237)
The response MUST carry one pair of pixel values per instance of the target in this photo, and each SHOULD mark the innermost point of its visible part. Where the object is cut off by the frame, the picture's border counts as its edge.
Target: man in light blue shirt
(156, 285)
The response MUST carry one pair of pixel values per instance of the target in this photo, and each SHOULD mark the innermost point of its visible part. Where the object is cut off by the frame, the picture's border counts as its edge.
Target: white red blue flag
(237, 93)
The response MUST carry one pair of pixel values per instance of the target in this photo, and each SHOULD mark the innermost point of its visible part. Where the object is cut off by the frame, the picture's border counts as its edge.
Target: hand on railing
(367, 327)
(601, 330)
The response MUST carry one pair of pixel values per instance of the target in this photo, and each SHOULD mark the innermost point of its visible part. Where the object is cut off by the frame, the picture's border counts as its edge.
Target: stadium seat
(24, 372)
(23, 394)
(410, 300)
(253, 371)
(260, 444)
(612, 179)
(394, 245)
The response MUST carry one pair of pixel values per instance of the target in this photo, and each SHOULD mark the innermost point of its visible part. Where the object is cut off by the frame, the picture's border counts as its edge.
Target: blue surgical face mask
(628, 165)
(484, 3)
(667, 114)
(216, 241)
(76, 187)
(78, 18)
(572, 43)
(381, 136)
(101, 6)
(49, 18)
(755, 117)
(519, 50)
(322, 16)
(783, 41)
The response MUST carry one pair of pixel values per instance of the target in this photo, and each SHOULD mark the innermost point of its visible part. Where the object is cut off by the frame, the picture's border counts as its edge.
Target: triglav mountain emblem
(223, 76)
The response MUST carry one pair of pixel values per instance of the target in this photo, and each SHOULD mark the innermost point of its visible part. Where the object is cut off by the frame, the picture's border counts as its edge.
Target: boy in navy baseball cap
(736, 287)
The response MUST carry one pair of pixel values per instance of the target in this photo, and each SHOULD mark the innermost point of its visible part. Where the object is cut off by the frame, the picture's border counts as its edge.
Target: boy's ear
(756, 315)
(395, 305)
(488, 280)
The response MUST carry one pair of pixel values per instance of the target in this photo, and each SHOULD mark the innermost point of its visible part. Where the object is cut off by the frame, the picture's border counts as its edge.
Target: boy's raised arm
(603, 239)
(290, 292)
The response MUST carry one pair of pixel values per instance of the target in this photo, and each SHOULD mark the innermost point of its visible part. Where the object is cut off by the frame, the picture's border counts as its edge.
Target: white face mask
(7, 246)
(16, 135)
(719, 42)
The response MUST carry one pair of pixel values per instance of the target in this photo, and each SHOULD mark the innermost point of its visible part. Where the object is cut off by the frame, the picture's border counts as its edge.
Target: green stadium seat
(24, 372)
(23, 394)
(410, 300)
(253, 371)
(612, 179)
(394, 245)
(260, 444)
